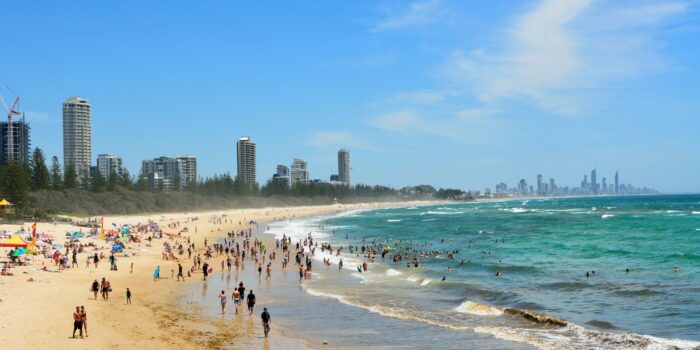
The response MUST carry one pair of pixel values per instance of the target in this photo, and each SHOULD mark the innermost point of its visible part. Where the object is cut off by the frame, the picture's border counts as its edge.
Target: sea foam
(474, 308)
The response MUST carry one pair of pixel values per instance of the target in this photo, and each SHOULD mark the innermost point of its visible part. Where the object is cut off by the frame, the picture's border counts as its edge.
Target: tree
(14, 184)
(56, 180)
(176, 182)
(125, 179)
(98, 182)
(40, 177)
(70, 177)
(113, 181)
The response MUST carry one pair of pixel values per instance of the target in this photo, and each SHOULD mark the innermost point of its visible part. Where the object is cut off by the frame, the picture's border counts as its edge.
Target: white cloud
(400, 121)
(560, 50)
(475, 114)
(417, 14)
(338, 139)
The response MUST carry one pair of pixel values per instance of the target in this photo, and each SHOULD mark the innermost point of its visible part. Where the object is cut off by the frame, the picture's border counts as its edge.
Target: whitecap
(393, 273)
(474, 308)
(393, 220)
(425, 282)
(605, 216)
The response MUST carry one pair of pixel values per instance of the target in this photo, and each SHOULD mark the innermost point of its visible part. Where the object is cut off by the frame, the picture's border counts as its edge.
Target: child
(128, 296)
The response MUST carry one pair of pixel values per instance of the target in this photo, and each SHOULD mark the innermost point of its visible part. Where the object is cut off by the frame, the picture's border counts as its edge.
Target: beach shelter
(14, 242)
(6, 207)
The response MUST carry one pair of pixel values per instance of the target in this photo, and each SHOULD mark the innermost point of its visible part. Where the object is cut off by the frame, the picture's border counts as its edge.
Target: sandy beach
(37, 304)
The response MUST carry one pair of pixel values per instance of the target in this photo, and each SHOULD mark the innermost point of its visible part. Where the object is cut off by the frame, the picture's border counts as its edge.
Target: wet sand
(38, 313)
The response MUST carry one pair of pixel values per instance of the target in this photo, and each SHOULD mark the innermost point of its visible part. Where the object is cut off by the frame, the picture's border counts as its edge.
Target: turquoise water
(543, 248)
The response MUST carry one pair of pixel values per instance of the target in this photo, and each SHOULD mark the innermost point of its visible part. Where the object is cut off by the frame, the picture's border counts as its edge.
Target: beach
(37, 304)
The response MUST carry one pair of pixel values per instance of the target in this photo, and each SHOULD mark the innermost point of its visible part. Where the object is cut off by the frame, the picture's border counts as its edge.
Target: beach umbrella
(57, 245)
(19, 251)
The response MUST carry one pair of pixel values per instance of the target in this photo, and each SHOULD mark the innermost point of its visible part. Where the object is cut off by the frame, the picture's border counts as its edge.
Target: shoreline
(155, 319)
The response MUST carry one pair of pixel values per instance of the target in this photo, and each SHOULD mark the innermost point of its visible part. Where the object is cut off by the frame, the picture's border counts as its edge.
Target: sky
(461, 94)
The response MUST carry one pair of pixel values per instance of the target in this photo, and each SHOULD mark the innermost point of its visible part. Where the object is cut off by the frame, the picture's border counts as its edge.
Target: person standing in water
(222, 300)
(266, 319)
(236, 300)
(251, 302)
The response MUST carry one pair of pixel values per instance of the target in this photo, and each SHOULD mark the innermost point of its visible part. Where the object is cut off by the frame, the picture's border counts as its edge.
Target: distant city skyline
(426, 92)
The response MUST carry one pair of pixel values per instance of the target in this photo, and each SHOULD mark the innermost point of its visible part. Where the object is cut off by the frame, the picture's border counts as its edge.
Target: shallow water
(542, 247)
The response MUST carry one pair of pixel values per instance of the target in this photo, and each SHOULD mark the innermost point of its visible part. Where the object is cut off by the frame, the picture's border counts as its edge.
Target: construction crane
(10, 132)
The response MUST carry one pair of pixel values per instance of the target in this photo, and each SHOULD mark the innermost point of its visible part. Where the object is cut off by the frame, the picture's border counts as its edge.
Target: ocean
(630, 246)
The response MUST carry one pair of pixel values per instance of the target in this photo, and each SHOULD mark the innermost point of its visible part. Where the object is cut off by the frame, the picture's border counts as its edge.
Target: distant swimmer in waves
(498, 274)
(676, 269)
(359, 268)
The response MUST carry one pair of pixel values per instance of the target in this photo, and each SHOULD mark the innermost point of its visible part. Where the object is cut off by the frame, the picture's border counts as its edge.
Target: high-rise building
(163, 173)
(282, 170)
(344, 166)
(300, 172)
(604, 186)
(188, 165)
(108, 164)
(552, 186)
(617, 183)
(19, 147)
(522, 187)
(246, 161)
(539, 185)
(77, 135)
(282, 175)
(594, 183)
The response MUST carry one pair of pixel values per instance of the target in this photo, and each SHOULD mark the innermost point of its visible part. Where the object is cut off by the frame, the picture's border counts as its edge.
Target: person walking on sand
(83, 319)
(128, 296)
(95, 288)
(77, 322)
(222, 300)
(268, 271)
(179, 273)
(266, 319)
(251, 302)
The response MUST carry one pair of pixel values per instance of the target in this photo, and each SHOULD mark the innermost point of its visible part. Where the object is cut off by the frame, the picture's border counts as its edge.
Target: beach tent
(13, 242)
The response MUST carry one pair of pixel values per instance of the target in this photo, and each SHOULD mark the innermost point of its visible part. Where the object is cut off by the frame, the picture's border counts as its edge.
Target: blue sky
(453, 93)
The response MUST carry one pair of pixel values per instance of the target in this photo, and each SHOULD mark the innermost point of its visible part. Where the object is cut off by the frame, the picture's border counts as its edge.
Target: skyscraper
(617, 183)
(604, 186)
(20, 142)
(246, 161)
(594, 184)
(344, 166)
(300, 172)
(188, 164)
(552, 186)
(282, 175)
(77, 135)
(163, 173)
(108, 164)
(539, 185)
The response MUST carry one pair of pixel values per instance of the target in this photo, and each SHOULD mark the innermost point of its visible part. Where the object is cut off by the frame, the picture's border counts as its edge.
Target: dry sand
(38, 314)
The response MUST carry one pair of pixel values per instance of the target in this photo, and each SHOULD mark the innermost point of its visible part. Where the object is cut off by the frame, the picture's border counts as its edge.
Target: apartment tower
(246, 161)
(344, 166)
(77, 135)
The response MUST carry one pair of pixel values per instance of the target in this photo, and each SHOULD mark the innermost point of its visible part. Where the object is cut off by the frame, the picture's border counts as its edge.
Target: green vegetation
(38, 190)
